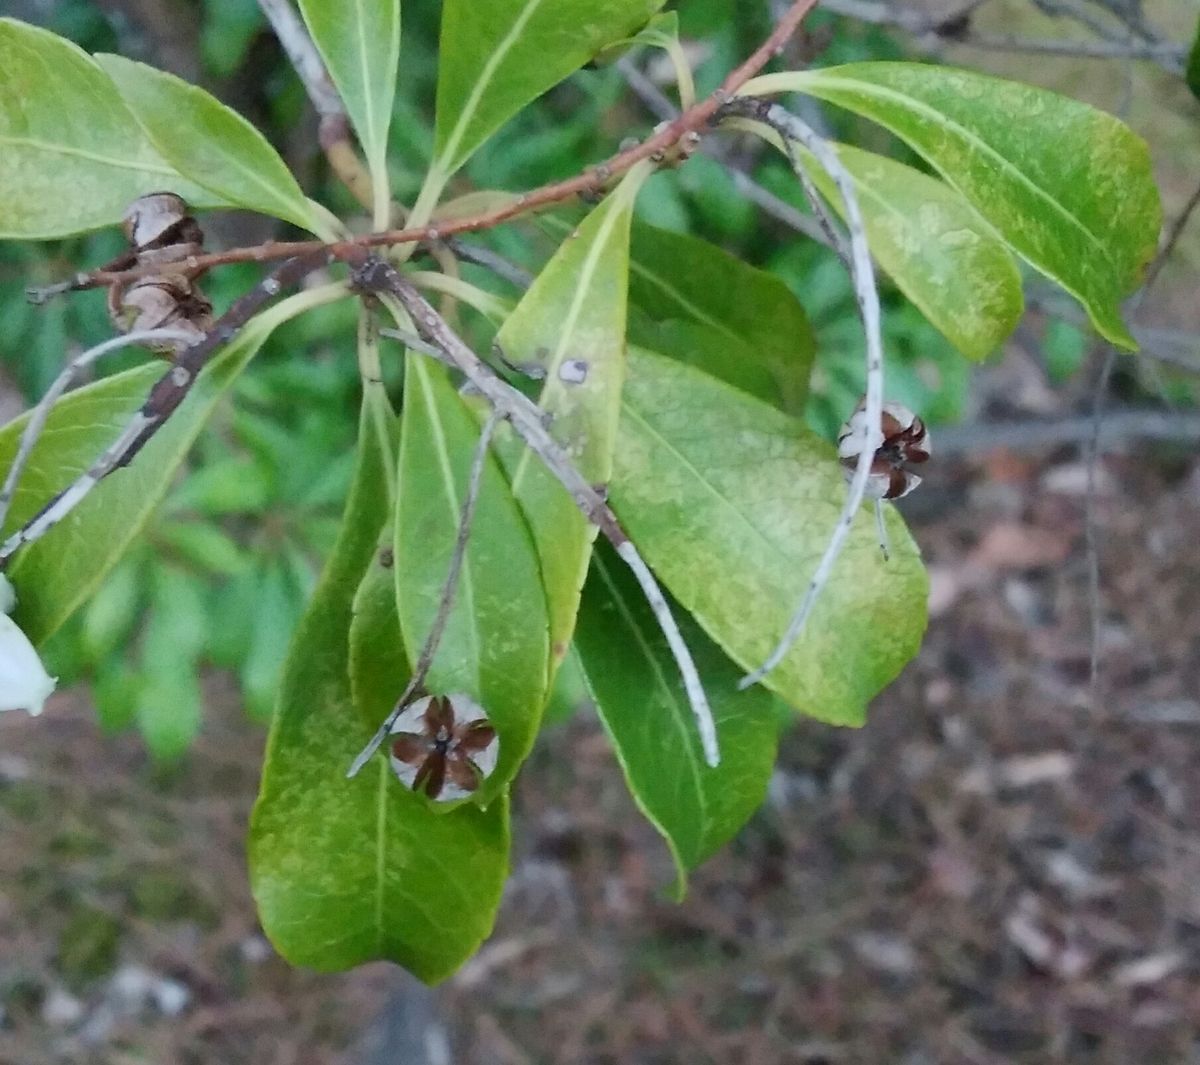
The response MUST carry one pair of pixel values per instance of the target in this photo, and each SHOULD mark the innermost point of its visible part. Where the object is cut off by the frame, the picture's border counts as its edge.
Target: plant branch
(164, 399)
(793, 130)
(334, 129)
(658, 104)
(446, 602)
(664, 141)
(40, 414)
(528, 420)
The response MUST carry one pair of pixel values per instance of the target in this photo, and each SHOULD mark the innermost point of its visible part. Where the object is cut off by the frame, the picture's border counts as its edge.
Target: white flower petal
(24, 682)
(8, 598)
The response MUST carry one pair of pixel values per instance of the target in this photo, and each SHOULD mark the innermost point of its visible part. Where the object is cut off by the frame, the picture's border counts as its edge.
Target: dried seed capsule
(160, 219)
(900, 441)
(159, 302)
(444, 746)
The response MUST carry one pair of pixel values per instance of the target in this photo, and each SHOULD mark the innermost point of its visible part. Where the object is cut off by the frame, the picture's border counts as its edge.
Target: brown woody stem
(694, 120)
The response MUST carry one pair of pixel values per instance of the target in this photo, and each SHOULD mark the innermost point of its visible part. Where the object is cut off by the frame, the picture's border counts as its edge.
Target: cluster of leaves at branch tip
(690, 411)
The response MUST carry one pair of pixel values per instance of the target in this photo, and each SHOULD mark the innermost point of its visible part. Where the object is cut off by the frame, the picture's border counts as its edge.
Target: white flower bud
(24, 683)
(8, 598)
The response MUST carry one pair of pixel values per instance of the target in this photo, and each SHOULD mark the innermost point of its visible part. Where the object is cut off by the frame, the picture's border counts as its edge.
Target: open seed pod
(162, 220)
(160, 302)
(163, 236)
(900, 441)
(444, 747)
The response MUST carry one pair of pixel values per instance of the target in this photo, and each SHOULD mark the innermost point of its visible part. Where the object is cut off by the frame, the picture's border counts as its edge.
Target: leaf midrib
(480, 87)
(709, 487)
(83, 153)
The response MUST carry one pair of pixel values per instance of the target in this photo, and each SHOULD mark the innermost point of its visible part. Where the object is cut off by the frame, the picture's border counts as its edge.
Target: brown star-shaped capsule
(444, 746)
(900, 441)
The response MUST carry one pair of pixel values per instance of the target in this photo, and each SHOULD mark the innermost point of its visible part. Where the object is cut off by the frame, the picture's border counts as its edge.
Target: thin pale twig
(791, 128)
(304, 57)
(766, 201)
(528, 420)
(40, 413)
(449, 589)
(164, 399)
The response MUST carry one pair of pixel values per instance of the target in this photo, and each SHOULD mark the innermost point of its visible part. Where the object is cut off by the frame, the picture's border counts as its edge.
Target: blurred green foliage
(223, 574)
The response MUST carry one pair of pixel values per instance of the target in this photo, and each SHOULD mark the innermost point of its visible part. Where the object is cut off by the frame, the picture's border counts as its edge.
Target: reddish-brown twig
(690, 123)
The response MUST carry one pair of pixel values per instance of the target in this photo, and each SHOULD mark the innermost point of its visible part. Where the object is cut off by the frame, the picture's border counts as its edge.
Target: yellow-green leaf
(211, 144)
(72, 157)
(732, 503)
(499, 55)
(360, 43)
(58, 573)
(570, 328)
(1069, 187)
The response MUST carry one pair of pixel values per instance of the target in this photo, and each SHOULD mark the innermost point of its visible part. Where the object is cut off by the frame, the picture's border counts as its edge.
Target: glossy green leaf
(937, 249)
(641, 701)
(570, 328)
(717, 354)
(495, 647)
(59, 572)
(1070, 188)
(732, 503)
(674, 276)
(210, 143)
(360, 43)
(72, 157)
(499, 55)
(349, 871)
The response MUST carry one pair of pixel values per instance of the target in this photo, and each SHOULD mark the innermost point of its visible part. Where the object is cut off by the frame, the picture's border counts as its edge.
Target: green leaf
(499, 55)
(277, 610)
(349, 871)
(114, 608)
(72, 157)
(732, 504)
(645, 710)
(59, 572)
(495, 646)
(570, 327)
(227, 486)
(379, 666)
(936, 248)
(170, 706)
(1070, 188)
(360, 43)
(719, 355)
(203, 545)
(569, 692)
(674, 276)
(211, 144)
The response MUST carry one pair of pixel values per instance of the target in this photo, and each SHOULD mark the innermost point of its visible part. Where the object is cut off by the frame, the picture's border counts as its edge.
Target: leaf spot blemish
(573, 371)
